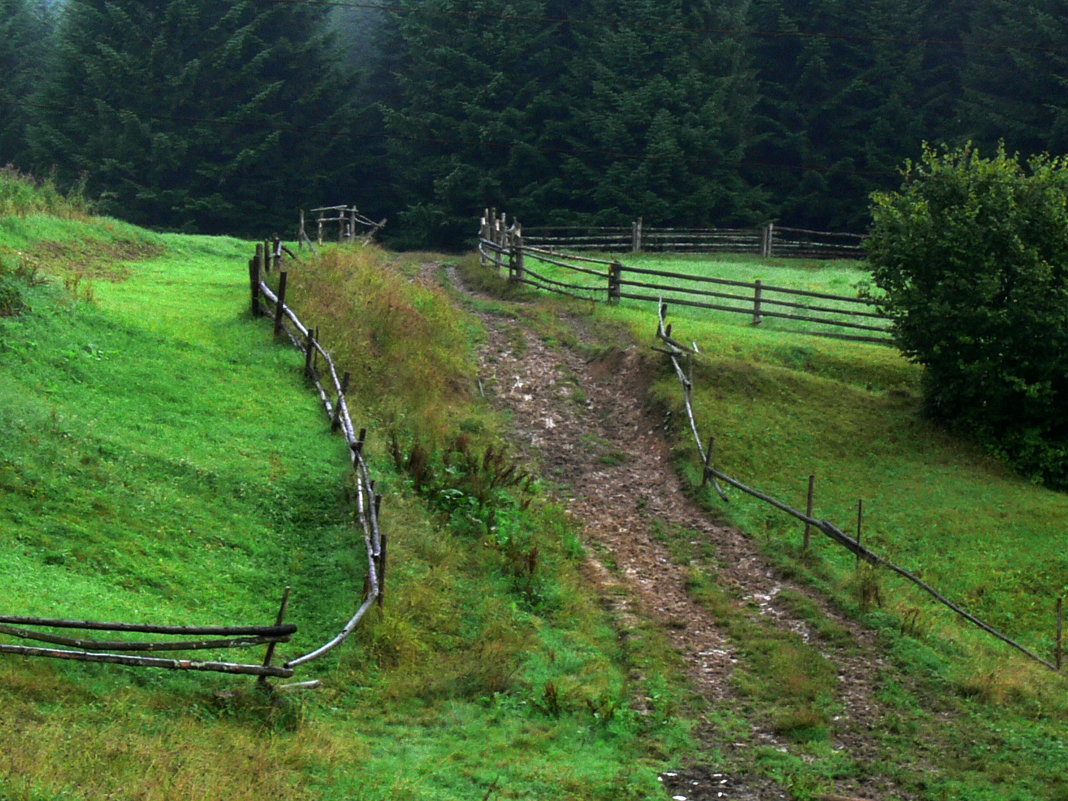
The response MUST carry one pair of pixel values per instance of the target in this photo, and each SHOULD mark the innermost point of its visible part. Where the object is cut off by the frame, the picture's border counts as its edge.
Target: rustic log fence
(346, 223)
(682, 359)
(331, 388)
(90, 650)
(269, 255)
(767, 241)
(507, 247)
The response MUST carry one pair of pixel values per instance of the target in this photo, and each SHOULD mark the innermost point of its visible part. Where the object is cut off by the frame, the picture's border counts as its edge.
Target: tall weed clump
(22, 195)
(405, 344)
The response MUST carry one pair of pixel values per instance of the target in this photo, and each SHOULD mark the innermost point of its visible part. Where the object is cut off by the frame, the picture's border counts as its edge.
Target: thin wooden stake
(757, 291)
(808, 510)
(708, 461)
(860, 523)
(1059, 655)
(309, 349)
(255, 267)
(278, 622)
(358, 445)
(382, 568)
(279, 309)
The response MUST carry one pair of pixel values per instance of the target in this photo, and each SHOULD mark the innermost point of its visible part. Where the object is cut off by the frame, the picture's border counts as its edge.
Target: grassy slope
(783, 406)
(163, 461)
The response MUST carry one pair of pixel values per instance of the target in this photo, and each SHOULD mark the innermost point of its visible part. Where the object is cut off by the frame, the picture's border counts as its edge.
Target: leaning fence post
(279, 309)
(708, 461)
(860, 523)
(278, 622)
(757, 290)
(808, 510)
(1058, 657)
(254, 267)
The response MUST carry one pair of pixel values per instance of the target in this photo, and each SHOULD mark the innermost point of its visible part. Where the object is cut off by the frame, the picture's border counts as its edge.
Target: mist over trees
(685, 112)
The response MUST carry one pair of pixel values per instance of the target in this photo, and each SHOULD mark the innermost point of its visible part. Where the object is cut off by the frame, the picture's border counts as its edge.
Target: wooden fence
(346, 222)
(270, 254)
(767, 241)
(506, 246)
(88, 650)
(682, 358)
(266, 302)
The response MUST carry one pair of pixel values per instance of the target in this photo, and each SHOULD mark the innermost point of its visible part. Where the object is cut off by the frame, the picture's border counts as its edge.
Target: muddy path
(588, 425)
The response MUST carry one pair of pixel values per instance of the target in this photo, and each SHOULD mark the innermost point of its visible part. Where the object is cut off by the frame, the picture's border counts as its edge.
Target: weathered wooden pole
(279, 309)
(1059, 654)
(309, 349)
(615, 276)
(757, 291)
(707, 472)
(808, 511)
(335, 424)
(254, 279)
(278, 622)
(860, 524)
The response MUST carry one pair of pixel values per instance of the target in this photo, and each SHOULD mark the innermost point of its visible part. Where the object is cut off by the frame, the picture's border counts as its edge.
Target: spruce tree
(25, 34)
(1016, 76)
(183, 117)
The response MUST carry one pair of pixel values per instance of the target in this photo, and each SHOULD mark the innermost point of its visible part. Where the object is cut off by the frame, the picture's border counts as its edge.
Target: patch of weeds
(805, 608)
(790, 680)
(607, 453)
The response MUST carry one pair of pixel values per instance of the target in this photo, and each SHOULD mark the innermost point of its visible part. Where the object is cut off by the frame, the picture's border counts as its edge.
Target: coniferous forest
(685, 112)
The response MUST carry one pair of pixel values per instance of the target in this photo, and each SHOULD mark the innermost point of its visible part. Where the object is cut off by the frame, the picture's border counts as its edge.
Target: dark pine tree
(1016, 76)
(845, 96)
(185, 117)
(25, 35)
(659, 102)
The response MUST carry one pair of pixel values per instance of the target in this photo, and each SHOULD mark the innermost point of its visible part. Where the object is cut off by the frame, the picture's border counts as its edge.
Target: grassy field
(842, 278)
(966, 717)
(163, 461)
(783, 406)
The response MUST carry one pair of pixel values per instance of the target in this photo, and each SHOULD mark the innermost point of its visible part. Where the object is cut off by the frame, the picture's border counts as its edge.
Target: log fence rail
(768, 241)
(271, 254)
(509, 248)
(682, 358)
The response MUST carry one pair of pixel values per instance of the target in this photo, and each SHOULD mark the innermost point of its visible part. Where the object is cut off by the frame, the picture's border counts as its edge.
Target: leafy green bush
(972, 253)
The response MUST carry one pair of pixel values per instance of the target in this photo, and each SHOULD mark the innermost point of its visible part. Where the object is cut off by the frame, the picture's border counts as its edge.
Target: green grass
(965, 717)
(163, 461)
(783, 406)
(841, 277)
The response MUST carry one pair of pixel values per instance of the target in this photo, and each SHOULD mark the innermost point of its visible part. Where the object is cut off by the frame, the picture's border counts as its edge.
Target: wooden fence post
(757, 289)
(278, 622)
(860, 524)
(309, 349)
(1058, 657)
(279, 310)
(254, 279)
(302, 234)
(319, 231)
(707, 471)
(769, 241)
(636, 236)
(615, 275)
(808, 510)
